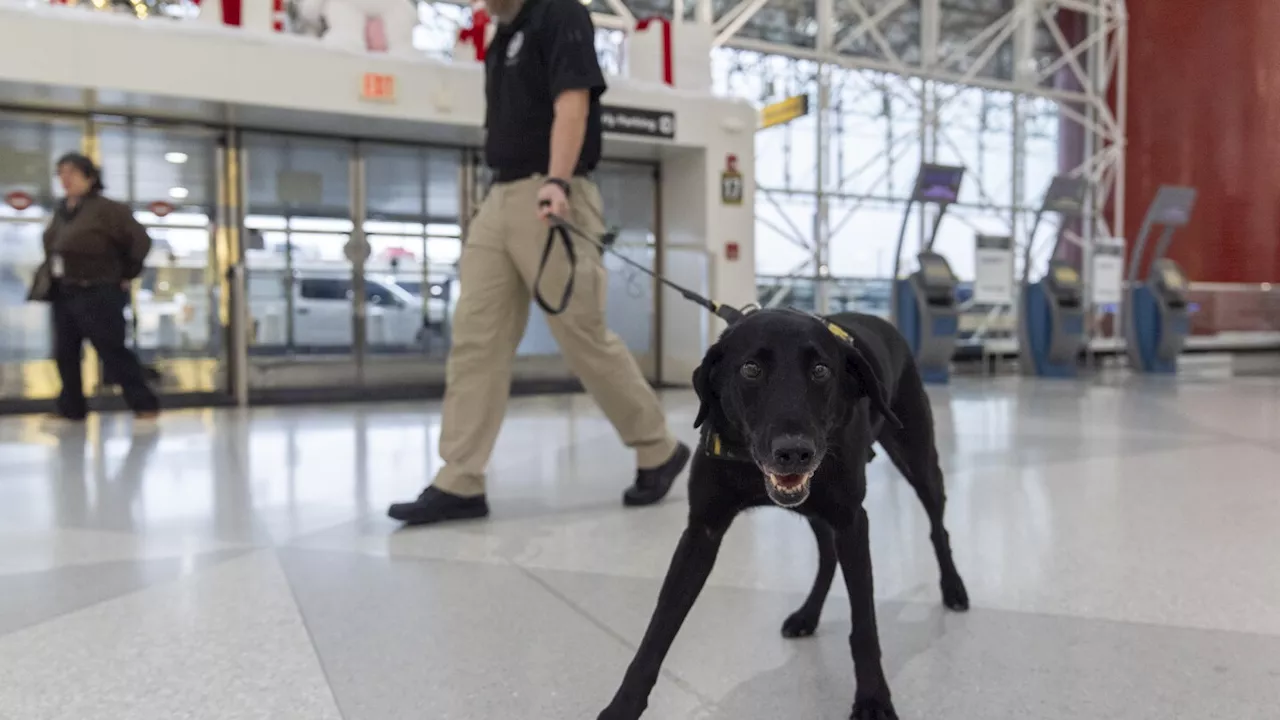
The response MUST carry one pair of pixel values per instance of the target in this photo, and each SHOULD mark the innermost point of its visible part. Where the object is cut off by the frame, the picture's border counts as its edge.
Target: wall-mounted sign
(1108, 271)
(784, 111)
(160, 208)
(378, 87)
(993, 270)
(732, 184)
(731, 251)
(638, 121)
(19, 200)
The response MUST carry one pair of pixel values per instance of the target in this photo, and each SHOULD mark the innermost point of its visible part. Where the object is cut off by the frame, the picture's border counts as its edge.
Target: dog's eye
(751, 371)
(820, 372)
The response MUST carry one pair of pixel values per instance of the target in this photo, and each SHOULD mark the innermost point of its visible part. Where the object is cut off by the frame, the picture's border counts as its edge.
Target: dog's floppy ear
(864, 373)
(702, 385)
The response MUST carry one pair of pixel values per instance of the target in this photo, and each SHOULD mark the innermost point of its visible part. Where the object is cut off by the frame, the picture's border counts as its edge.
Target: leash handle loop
(562, 227)
(557, 229)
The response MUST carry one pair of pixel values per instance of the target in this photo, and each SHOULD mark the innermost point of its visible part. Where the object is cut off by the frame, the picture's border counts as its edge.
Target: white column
(821, 217)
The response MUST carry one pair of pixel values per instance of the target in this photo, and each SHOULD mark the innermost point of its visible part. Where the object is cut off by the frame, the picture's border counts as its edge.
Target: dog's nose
(792, 452)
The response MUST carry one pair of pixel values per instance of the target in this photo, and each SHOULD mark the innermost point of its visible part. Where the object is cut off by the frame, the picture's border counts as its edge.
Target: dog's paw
(954, 594)
(800, 624)
(872, 709)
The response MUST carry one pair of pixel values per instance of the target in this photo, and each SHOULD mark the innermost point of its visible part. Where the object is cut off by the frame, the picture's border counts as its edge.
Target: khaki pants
(496, 273)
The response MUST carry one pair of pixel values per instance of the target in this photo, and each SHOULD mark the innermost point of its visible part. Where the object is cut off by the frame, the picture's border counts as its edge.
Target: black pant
(95, 313)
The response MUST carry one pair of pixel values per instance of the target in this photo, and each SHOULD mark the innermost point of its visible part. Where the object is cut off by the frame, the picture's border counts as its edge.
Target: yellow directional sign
(784, 111)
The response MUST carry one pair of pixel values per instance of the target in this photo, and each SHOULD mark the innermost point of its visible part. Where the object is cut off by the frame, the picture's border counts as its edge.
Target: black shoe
(653, 484)
(434, 506)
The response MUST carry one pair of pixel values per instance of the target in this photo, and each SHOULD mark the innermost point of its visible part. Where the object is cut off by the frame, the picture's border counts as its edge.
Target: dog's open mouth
(787, 491)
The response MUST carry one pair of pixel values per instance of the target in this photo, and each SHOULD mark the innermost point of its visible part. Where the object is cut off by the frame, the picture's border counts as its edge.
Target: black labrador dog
(790, 407)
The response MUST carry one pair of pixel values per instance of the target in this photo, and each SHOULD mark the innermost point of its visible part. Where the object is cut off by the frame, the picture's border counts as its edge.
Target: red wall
(1204, 110)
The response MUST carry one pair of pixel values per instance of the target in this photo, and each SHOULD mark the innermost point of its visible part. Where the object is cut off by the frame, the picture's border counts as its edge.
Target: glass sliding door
(411, 223)
(629, 194)
(350, 255)
(167, 174)
(350, 251)
(297, 227)
(29, 192)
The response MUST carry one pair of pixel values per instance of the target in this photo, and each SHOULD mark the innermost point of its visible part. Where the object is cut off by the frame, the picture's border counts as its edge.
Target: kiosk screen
(1066, 277)
(936, 273)
(939, 183)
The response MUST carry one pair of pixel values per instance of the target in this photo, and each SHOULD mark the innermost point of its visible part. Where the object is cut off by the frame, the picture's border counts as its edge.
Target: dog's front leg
(853, 547)
(692, 563)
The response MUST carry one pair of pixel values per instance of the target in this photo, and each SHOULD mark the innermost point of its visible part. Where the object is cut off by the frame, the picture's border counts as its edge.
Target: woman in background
(94, 247)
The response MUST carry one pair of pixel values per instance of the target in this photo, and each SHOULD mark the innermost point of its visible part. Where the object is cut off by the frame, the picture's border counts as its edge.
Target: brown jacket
(99, 241)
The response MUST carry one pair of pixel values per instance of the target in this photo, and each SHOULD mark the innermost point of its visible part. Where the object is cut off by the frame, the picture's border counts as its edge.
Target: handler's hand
(552, 201)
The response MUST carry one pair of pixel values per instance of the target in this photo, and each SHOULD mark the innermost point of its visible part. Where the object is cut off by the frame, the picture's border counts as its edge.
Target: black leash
(563, 228)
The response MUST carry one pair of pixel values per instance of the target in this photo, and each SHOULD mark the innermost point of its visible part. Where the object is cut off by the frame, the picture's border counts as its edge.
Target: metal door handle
(303, 311)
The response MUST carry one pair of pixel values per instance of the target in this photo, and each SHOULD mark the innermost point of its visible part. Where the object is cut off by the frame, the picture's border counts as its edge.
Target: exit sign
(378, 87)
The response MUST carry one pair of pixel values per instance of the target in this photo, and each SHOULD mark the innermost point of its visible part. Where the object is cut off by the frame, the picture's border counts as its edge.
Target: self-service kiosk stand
(924, 303)
(1156, 321)
(1051, 317)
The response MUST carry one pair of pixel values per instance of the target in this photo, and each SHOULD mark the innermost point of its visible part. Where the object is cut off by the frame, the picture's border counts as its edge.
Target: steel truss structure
(955, 69)
(1015, 90)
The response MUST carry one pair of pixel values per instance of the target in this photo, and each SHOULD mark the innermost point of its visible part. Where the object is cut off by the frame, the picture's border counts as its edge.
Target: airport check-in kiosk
(924, 303)
(1051, 321)
(1156, 317)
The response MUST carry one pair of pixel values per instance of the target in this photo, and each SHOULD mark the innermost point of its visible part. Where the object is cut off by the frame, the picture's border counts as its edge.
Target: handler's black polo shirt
(547, 49)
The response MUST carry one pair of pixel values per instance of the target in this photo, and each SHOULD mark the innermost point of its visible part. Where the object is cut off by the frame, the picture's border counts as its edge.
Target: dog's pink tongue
(790, 480)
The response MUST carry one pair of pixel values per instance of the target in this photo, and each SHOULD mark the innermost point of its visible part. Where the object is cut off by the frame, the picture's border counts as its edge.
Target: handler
(543, 139)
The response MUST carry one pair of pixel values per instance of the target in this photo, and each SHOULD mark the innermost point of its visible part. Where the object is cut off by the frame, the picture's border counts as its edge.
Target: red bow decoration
(475, 34)
(668, 72)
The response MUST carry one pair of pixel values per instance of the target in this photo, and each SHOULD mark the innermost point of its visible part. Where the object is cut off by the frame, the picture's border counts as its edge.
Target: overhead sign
(993, 270)
(19, 200)
(638, 121)
(378, 87)
(784, 111)
(1108, 271)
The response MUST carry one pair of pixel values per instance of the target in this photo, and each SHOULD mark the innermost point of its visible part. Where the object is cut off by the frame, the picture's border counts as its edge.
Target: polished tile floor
(1120, 539)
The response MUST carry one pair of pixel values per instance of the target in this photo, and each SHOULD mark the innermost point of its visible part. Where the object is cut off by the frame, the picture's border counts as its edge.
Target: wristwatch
(560, 183)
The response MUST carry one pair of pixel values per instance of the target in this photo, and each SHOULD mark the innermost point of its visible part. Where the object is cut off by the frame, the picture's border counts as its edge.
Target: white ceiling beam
(962, 52)
(1064, 45)
(734, 25)
(992, 48)
(867, 24)
(865, 63)
(1075, 52)
(873, 27)
(723, 21)
(621, 10)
